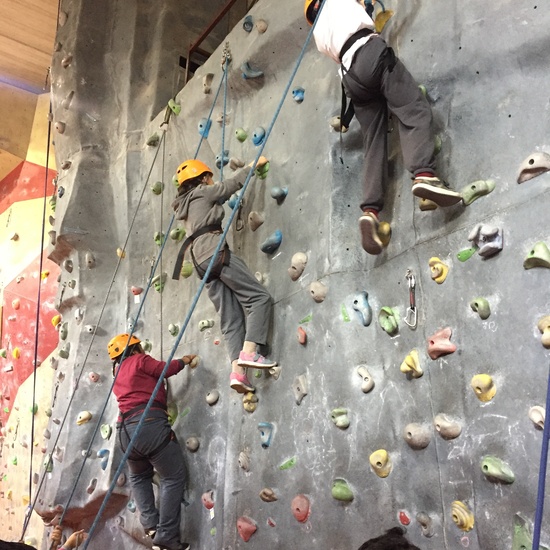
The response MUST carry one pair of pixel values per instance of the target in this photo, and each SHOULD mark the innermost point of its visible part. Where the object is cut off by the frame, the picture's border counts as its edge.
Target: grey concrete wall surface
(485, 68)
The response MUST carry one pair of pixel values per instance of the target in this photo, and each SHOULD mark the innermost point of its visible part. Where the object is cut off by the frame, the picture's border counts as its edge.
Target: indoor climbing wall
(411, 386)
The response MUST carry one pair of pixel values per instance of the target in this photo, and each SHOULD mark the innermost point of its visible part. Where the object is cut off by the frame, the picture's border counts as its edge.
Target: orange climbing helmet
(117, 344)
(191, 169)
(311, 7)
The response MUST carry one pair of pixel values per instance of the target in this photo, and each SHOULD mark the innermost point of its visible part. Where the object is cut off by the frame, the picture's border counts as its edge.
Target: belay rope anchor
(411, 316)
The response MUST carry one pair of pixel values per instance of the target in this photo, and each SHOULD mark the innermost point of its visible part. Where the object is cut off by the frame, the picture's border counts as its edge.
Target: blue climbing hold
(272, 243)
(258, 136)
(222, 158)
(104, 455)
(233, 199)
(266, 433)
(248, 23)
(361, 305)
(204, 127)
(279, 194)
(60, 191)
(298, 94)
(249, 72)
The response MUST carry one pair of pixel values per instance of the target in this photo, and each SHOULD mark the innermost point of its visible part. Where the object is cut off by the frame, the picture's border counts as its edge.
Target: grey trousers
(243, 303)
(169, 463)
(374, 87)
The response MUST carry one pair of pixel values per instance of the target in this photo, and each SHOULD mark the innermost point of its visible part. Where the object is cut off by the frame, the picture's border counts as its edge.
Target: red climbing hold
(302, 336)
(404, 518)
(246, 528)
(208, 500)
(300, 508)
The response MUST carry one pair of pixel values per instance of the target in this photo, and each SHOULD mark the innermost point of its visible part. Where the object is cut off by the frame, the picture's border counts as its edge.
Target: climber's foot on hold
(240, 383)
(180, 546)
(368, 226)
(151, 532)
(255, 360)
(433, 189)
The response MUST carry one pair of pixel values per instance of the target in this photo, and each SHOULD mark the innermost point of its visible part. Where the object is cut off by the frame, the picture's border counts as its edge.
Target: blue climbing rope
(197, 295)
(542, 474)
(222, 154)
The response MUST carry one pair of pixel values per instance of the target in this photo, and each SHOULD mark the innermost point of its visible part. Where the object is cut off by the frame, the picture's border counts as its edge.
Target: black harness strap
(188, 242)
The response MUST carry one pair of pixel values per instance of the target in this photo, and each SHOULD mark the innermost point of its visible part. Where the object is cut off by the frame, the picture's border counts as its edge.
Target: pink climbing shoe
(370, 241)
(240, 383)
(255, 360)
(433, 189)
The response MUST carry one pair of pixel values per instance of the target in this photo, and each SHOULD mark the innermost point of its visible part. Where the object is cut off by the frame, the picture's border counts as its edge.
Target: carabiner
(411, 316)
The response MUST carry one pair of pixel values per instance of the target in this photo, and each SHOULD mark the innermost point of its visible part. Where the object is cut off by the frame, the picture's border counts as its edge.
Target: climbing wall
(369, 422)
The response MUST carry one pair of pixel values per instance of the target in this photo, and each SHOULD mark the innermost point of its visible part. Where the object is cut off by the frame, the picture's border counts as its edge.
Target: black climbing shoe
(181, 546)
(150, 532)
(370, 241)
(433, 189)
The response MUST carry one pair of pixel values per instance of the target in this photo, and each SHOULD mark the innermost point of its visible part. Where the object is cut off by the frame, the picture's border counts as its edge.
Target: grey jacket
(201, 206)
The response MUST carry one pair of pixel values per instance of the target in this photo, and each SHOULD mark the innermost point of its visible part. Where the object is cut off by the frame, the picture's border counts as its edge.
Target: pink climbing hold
(440, 344)
(137, 290)
(302, 336)
(404, 518)
(246, 528)
(271, 522)
(208, 500)
(300, 508)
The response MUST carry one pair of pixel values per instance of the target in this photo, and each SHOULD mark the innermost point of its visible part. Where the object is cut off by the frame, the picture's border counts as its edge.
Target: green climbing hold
(261, 171)
(172, 410)
(306, 319)
(475, 190)
(257, 373)
(146, 345)
(106, 431)
(388, 320)
(345, 315)
(177, 234)
(523, 538)
(481, 307)
(3, 353)
(213, 531)
(423, 90)
(48, 464)
(438, 144)
(175, 180)
(185, 412)
(154, 140)
(186, 269)
(240, 134)
(53, 202)
(6, 409)
(496, 469)
(34, 409)
(466, 254)
(341, 490)
(14, 461)
(539, 256)
(158, 237)
(174, 107)
(287, 464)
(157, 188)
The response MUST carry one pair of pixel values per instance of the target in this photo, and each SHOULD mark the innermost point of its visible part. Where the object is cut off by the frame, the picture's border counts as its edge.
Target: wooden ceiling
(27, 36)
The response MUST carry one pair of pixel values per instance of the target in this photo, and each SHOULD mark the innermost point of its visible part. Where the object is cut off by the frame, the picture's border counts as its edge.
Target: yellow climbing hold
(16, 353)
(120, 252)
(462, 515)
(384, 233)
(25, 499)
(44, 274)
(483, 387)
(381, 19)
(411, 365)
(381, 463)
(56, 319)
(439, 270)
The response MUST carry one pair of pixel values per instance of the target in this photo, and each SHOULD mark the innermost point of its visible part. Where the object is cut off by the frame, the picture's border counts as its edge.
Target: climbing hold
(361, 305)
(204, 127)
(439, 270)
(131, 506)
(488, 239)
(297, 265)
(241, 134)
(71, 283)
(300, 507)
(344, 312)
(262, 171)
(300, 388)
(54, 363)
(249, 73)
(381, 19)
(90, 260)
(174, 106)
(523, 536)
(153, 141)
(388, 320)
(246, 528)
(235, 163)
(248, 23)
(258, 136)
(279, 194)
(173, 329)
(302, 336)
(544, 328)
(158, 237)
(104, 455)
(136, 290)
(212, 397)
(440, 344)
(207, 83)
(244, 460)
(60, 127)
(272, 243)
(462, 515)
(404, 517)
(159, 281)
(496, 469)
(255, 220)
(466, 254)
(483, 387)
(418, 436)
(16, 353)
(147, 346)
(475, 190)
(56, 319)
(63, 330)
(208, 500)
(234, 199)
(94, 377)
(426, 524)
(157, 188)
(384, 233)
(66, 61)
(68, 265)
(64, 351)
(268, 495)
(250, 402)
(205, 324)
(298, 94)
(368, 382)
(539, 256)
(83, 417)
(537, 415)
(121, 253)
(340, 418)
(426, 205)
(411, 365)
(60, 191)
(192, 443)
(172, 412)
(266, 433)
(336, 125)
(66, 164)
(222, 159)
(261, 26)
(91, 487)
(447, 427)
(341, 490)
(380, 463)
(481, 307)
(318, 291)
(275, 372)
(106, 431)
(534, 165)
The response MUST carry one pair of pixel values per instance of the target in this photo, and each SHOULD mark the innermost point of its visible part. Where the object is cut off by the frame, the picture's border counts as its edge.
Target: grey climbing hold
(272, 243)
(266, 433)
(66, 103)
(539, 256)
(192, 443)
(534, 165)
(66, 164)
(64, 351)
(361, 305)
(447, 427)
(368, 381)
(417, 436)
(212, 397)
(279, 194)
(90, 328)
(250, 73)
(90, 260)
(92, 485)
(426, 524)
(153, 140)
(297, 265)
(173, 329)
(63, 330)
(68, 265)
(207, 83)
(476, 190)
(60, 127)
(300, 388)
(481, 307)
(248, 23)
(488, 239)
(244, 460)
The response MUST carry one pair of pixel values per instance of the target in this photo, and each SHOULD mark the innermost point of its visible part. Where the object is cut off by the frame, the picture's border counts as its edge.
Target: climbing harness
(411, 316)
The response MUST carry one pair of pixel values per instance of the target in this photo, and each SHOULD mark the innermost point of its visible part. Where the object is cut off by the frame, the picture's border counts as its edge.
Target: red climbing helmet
(117, 344)
(311, 7)
(191, 169)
